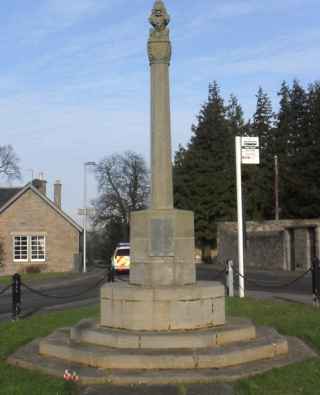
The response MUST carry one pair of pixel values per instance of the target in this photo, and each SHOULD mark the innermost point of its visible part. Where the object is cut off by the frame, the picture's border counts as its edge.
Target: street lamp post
(85, 213)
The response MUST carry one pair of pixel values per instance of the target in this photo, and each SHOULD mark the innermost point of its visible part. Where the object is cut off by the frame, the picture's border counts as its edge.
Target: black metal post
(16, 296)
(316, 281)
(111, 274)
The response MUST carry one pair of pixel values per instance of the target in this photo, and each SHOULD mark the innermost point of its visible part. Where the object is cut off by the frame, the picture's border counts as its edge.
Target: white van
(120, 260)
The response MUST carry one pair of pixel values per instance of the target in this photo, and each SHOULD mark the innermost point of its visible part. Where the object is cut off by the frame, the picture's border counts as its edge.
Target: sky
(74, 74)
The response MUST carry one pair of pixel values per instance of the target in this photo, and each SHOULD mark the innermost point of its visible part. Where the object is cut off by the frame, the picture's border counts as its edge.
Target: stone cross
(159, 51)
(162, 294)
(161, 238)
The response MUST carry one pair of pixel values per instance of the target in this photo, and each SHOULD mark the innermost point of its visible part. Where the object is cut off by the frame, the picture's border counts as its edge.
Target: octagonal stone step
(235, 330)
(268, 344)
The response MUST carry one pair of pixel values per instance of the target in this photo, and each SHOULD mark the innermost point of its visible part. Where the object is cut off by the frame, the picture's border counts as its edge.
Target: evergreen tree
(204, 172)
(308, 156)
(282, 137)
(282, 131)
(263, 121)
(183, 187)
(258, 179)
(297, 151)
(235, 116)
(297, 148)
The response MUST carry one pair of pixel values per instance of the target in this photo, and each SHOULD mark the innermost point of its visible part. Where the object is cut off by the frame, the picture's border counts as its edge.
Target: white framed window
(29, 248)
(20, 248)
(38, 248)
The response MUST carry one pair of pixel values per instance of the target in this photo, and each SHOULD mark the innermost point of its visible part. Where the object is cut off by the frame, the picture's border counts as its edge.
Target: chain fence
(219, 274)
(17, 285)
(108, 275)
(314, 270)
(5, 289)
(75, 295)
(271, 284)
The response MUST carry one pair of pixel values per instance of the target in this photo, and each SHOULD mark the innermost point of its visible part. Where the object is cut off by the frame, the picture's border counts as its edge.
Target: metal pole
(85, 219)
(276, 187)
(240, 217)
(16, 296)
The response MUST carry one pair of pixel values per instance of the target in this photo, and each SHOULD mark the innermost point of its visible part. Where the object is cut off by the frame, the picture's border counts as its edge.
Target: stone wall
(31, 215)
(264, 249)
(284, 244)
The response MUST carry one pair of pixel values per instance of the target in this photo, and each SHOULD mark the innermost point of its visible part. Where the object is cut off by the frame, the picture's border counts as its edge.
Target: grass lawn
(289, 319)
(16, 381)
(34, 277)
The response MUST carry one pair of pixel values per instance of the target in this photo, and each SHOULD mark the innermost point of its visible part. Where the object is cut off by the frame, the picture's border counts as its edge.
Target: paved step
(28, 357)
(173, 389)
(268, 344)
(235, 330)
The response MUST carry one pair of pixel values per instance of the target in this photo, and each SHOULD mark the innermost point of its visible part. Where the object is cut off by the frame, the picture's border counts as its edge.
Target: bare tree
(9, 167)
(123, 183)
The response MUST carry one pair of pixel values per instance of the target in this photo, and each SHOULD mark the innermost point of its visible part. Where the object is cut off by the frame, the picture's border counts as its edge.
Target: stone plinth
(267, 344)
(162, 248)
(235, 330)
(188, 307)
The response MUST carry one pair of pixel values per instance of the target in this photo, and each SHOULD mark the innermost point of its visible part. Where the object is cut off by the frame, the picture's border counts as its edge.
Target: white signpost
(250, 153)
(247, 152)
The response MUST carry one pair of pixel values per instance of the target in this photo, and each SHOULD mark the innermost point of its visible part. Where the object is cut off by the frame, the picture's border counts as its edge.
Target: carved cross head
(159, 18)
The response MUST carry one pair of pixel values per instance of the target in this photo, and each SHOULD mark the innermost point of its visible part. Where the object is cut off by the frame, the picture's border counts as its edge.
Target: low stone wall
(284, 244)
(264, 250)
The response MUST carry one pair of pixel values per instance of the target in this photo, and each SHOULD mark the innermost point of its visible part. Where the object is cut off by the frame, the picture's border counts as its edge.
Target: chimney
(41, 185)
(57, 193)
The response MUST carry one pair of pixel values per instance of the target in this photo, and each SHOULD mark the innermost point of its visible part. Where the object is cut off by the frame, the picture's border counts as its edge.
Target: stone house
(288, 245)
(35, 231)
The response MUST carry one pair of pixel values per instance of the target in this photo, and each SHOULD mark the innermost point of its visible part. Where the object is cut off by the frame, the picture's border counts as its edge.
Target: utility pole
(276, 187)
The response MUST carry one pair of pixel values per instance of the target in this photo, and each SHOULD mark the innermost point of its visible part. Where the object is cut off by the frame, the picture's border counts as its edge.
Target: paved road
(69, 293)
(265, 281)
(258, 282)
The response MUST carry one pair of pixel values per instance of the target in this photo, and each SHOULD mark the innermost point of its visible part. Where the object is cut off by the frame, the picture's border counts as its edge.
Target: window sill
(30, 262)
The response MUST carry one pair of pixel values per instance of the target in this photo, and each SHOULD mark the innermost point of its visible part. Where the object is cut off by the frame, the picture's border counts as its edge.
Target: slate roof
(6, 194)
(10, 195)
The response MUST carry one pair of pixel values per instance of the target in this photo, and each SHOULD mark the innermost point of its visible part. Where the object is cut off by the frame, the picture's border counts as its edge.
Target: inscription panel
(161, 237)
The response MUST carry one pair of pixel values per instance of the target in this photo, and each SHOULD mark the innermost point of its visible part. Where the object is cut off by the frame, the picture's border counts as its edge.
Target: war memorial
(163, 326)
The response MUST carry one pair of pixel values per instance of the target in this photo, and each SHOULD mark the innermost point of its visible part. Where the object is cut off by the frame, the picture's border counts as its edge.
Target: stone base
(268, 344)
(236, 330)
(189, 307)
(162, 248)
(28, 357)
